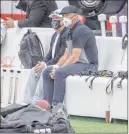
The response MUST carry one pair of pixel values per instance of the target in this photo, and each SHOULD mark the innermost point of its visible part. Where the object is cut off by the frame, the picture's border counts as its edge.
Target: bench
(82, 101)
(79, 99)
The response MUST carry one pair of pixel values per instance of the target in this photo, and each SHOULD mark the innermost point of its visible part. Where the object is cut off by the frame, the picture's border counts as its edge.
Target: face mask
(22, 5)
(67, 22)
(55, 24)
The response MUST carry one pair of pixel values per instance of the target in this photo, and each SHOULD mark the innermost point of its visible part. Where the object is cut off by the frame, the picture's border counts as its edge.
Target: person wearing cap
(37, 12)
(57, 46)
(81, 54)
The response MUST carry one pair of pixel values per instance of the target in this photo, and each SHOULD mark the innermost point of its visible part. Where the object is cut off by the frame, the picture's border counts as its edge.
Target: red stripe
(83, 20)
(13, 16)
(109, 26)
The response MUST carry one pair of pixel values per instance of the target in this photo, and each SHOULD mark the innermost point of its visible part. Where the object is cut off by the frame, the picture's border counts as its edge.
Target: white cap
(102, 17)
(113, 19)
(56, 13)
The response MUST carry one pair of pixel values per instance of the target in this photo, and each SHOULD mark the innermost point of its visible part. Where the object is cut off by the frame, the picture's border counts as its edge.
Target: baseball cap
(69, 9)
(56, 13)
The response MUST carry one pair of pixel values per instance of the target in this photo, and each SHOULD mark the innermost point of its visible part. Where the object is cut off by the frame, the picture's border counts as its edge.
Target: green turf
(92, 126)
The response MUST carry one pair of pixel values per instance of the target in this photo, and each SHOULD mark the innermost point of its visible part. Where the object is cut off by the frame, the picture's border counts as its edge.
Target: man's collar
(75, 25)
(62, 31)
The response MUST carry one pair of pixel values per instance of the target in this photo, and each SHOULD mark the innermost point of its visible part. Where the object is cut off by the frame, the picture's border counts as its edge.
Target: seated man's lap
(74, 69)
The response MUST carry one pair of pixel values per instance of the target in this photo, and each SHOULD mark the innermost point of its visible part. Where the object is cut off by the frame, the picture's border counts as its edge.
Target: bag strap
(30, 31)
(88, 78)
(91, 82)
(111, 82)
(41, 46)
(124, 46)
(101, 73)
(123, 75)
(119, 84)
(124, 42)
(28, 40)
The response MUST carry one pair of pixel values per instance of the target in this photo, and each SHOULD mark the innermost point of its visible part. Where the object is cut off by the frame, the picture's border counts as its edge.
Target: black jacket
(37, 13)
(60, 48)
(29, 119)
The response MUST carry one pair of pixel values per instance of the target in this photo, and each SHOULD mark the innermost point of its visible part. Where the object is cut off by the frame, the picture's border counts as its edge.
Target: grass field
(81, 125)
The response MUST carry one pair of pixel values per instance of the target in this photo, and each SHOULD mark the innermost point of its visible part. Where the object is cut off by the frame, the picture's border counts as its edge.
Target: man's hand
(52, 74)
(9, 23)
(39, 67)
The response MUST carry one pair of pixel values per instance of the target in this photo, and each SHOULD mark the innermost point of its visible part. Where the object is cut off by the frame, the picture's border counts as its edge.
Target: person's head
(57, 20)
(70, 15)
(81, 16)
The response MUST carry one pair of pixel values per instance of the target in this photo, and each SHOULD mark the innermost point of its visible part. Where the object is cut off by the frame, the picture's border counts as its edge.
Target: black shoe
(60, 111)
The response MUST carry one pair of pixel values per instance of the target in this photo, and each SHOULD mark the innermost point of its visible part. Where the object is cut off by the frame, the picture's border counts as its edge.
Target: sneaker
(60, 111)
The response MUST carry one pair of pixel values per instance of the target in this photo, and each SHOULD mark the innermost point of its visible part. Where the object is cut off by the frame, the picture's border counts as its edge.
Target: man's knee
(59, 73)
(34, 73)
(47, 71)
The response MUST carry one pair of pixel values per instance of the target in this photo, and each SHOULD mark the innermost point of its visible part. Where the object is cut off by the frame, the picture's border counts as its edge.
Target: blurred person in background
(37, 13)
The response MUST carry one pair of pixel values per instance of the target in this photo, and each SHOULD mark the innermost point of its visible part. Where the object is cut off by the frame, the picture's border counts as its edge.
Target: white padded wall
(110, 54)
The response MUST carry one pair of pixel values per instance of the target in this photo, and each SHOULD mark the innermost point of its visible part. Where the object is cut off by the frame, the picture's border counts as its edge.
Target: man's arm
(56, 59)
(62, 45)
(36, 15)
(76, 52)
(63, 59)
(48, 57)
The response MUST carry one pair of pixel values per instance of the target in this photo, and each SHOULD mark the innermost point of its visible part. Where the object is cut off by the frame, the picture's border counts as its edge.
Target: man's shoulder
(82, 27)
(83, 30)
(64, 32)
